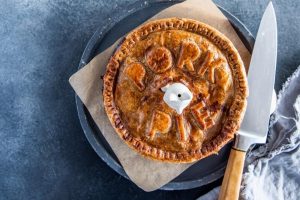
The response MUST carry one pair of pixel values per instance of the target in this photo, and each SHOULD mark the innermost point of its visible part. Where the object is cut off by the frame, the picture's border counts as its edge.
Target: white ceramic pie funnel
(177, 96)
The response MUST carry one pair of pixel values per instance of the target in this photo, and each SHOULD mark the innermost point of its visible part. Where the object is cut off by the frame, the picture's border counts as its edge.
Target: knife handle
(233, 175)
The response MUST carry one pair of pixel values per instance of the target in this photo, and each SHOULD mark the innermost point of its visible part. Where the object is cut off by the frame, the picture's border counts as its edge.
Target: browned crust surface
(237, 109)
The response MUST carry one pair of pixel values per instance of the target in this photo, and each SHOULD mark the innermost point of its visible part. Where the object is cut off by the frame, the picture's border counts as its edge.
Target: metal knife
(254, 128)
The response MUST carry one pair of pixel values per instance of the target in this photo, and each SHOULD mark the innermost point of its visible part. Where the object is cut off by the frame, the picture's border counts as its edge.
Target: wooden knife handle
(233, 175)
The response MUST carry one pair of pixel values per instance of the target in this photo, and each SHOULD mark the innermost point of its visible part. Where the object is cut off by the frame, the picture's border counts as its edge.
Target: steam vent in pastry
(167, 51)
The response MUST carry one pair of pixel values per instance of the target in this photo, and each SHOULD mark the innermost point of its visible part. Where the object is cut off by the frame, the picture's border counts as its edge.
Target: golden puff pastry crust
(166, 51)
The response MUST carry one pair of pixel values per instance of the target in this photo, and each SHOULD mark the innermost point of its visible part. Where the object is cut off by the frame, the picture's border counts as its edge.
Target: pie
(175, 50)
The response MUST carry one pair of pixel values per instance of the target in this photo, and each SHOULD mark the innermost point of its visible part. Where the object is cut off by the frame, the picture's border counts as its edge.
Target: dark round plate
(204, 171)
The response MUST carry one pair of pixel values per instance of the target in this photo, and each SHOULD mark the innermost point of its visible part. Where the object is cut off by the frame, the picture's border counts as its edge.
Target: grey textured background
(43, 151)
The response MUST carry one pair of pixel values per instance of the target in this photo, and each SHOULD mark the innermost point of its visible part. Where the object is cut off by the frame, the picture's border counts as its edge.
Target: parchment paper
(145, 173)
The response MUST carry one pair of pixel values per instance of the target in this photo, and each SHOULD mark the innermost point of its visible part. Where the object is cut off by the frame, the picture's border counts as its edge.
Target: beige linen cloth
(145, 173)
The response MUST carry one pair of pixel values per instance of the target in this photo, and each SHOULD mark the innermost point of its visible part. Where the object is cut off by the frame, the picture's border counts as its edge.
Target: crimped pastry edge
(237, 108)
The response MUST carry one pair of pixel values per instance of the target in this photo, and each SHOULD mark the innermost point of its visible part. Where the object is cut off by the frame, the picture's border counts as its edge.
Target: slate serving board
(203, 172)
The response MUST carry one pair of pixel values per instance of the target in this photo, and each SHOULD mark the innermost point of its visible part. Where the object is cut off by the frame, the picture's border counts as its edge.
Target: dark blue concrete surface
(43, 151)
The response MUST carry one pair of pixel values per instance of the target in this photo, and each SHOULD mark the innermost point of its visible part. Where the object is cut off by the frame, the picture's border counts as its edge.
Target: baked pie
(175, 50)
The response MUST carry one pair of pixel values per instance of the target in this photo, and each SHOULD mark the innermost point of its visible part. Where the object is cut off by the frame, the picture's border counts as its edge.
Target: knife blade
(261, 79)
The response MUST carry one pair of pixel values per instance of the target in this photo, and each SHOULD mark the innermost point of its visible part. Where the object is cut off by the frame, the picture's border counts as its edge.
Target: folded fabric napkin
(272, 169)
